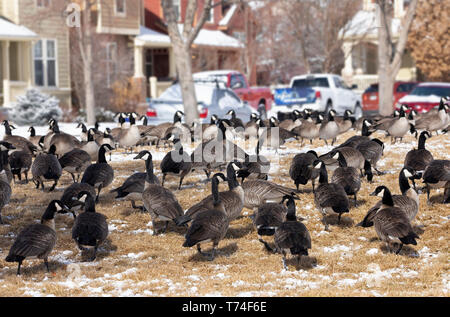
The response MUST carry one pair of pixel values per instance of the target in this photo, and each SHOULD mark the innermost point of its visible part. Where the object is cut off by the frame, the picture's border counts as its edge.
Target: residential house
(212, 49)
(35, 49)
(360, 46)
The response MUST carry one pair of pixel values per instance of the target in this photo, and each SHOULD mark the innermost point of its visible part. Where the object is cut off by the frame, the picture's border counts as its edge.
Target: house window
(177, 7)
(111, 58)
(120, 7)
(43, 3)
(210, 16)
(44, 56)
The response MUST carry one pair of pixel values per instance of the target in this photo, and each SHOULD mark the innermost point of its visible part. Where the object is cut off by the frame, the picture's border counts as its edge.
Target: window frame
(44, 3)
(45, 59)
(119, 13)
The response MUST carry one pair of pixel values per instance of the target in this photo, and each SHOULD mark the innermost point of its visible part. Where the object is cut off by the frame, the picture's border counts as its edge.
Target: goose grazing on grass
(232, 199)
(160, 202)
(5, 189)
(46, 167)
(258, 192)
(70, 195)
(209, 225)
(436, 175)
(20, 163)
(408, 201)
(37, 240)
(418, 159)
(372, 151)
(176, 162)
(302, 170)
(75, 162)
(329, 197)
(268, 218)
(90, 228)
(292, 236)
(99, 175)
(254, 166)
(390, 222)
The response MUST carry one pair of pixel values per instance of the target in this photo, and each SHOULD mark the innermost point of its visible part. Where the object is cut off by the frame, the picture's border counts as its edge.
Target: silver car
(212, 98)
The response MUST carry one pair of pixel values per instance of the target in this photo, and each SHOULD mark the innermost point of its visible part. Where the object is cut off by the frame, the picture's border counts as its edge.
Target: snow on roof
(366, 23)
(226, 19)
(214, 73)
(9, 30)
(255, 5)
(204, 37)
(434, 84)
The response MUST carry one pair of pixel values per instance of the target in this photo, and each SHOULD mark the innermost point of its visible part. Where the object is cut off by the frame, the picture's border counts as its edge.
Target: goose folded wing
(34, 240)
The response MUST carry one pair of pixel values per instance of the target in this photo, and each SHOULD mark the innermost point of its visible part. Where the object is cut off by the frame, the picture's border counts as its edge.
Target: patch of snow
(372, 251)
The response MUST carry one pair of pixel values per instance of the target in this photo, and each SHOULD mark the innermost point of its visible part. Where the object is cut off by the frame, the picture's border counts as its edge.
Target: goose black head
(379, 142)
(52, 149)
(106, 147)
(313, 153)
(55, 206)
(82, 126)
(143, 155)
(319, 119)
(88, 200)
(379, 191)
(6, 146)
(231, 113)
(214, 119)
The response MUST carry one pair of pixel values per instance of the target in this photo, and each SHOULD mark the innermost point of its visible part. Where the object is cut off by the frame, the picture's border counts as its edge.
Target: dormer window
(120, 7)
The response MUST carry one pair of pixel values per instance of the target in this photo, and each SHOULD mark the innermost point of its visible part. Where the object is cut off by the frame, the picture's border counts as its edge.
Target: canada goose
(115, 132)
(355, 140)
(309, 129)
(64, 142)
(130, 136)
(384, 123)
(408, 201)
(436, 175)
(251, 127)
(293, 122)
(209, 225)
(160, 131)
(349, 177)
(353, 158)
(232, 199)
(390, 222)
(258, 192)
(133, 187)
(70, 195)
(37, 240)
(235, 121)
(33, 138)
(144, 127)
(84, 131)
(75, 162)
(437, 121)
(329, 197)
(345, 123)
(372, 151)
(90, 228)
(160, 202)
(302, 170)
(330, 129)
(216, 153)
(398, 127)
(100, 174)
(418, 159)
(176, 162)
(254, 166)
(20, 162)
(274, 136)
(5, 190)
(206, 131)
(46, 167)
(292, 236)
(90, 145)
(7, 175)
(20, 143)
(268, 218)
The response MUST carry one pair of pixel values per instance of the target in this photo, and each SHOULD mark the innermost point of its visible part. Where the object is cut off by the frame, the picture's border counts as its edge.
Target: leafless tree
(390, 53)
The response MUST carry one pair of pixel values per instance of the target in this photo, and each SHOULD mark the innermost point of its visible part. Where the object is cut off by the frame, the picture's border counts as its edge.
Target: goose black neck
(330, 116)
(231, 176)
(145, 122)
(422, 140)
(7, 128)
(323, 179)
(221, 135)
(101, 155)
(368, 170)
(387, 198)
(365, 130)
(132, 120)
(149, 169)
(89, 204)
(32, 131)
(55, 128)
(2, 158)
(83, 128)
(290, 216)
(215, 190)
(341, 160)
(49, 213)
(403, 182)
(90, 137)
(176, 118)
(52, 150)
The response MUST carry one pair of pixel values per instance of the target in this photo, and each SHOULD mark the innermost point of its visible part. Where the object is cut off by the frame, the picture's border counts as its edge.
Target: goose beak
(373, 193)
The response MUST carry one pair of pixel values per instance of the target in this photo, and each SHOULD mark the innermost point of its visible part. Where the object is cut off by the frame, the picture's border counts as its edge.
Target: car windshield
(440, 91)
(372, 88)
(204, 93)
(310, 82)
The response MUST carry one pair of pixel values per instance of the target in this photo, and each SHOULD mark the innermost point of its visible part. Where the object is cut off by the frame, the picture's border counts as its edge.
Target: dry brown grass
(133, 262)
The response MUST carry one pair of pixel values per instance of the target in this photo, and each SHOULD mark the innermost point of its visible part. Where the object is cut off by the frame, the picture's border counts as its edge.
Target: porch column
(28, 68)
(6, 74)
(347, 72)
(138, 61)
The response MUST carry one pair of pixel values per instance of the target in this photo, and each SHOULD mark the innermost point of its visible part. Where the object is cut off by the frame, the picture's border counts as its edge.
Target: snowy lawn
(348, 261)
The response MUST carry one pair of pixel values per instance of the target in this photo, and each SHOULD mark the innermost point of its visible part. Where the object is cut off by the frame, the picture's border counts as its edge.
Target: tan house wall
(110, 22)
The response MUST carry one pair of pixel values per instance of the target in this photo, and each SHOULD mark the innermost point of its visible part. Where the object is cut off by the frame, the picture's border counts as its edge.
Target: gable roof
(12, 31)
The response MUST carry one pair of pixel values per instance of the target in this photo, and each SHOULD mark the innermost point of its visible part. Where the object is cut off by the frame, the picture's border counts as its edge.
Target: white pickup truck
(318, 92)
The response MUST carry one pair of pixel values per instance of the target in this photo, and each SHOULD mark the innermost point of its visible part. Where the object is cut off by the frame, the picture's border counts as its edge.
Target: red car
(425, 96)
(370, 96)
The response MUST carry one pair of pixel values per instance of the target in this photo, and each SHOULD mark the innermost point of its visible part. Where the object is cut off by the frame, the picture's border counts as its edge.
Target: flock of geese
(207, 221)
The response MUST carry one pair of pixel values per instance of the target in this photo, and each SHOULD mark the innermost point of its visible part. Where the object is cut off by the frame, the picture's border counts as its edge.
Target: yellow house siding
(50, 24)
(9, 8)
(110, 22)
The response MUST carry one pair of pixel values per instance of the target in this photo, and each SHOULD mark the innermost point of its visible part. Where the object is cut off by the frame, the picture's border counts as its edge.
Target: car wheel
(357, 112)
(262, 111)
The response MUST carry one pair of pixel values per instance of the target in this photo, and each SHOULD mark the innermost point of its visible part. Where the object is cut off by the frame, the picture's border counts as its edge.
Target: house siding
(109, 22)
